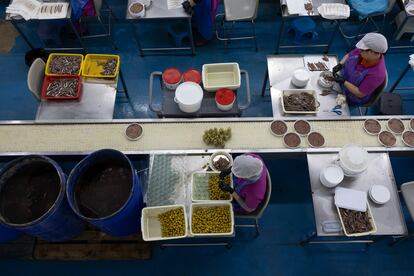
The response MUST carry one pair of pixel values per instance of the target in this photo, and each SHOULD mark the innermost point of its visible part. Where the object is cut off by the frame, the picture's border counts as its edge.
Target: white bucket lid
(301, 74)
(354, 158)
(189, 93)
(333, 174)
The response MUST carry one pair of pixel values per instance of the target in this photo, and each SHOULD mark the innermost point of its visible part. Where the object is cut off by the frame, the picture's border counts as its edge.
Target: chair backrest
(97, 4)
(240, 9)
(256, 214)
(378, 92)
(407, 190)
(35, 77)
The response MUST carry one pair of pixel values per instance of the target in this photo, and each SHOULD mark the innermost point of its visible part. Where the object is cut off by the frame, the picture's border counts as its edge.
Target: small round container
(189, 96)
(379, 194)
(278, 128)
(316, 139)
(225, 99)
(171, 78)
(134, 131)
(396, 126)
(302, 132)
(192, 75)
(387, 136)
(331, 176)
(293, 144)
(300, 77)
(136, 9)
(408, 138)
(353, 159)
(372, 126)
(216, 156)
(323, 81)
(411, 125)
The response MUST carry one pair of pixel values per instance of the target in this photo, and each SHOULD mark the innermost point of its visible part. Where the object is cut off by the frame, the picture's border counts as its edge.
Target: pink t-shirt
(254, 193)
(375, 76)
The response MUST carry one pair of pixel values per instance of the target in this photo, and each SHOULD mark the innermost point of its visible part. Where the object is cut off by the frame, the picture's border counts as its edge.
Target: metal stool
(390, 104)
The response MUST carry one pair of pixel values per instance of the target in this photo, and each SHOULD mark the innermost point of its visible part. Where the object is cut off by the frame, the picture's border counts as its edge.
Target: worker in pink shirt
(249, 179)
(363, 69)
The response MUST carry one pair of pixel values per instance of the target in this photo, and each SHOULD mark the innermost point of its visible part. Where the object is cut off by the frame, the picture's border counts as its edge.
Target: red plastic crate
(49, 79)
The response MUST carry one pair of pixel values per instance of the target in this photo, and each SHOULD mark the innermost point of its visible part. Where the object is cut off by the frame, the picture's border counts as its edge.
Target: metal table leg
(76, 32)
(15, 24)
(190, 34)
(266, 78)
(400, 78)
(337, 22)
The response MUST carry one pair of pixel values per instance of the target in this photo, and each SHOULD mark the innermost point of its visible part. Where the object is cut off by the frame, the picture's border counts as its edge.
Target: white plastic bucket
(189, 96)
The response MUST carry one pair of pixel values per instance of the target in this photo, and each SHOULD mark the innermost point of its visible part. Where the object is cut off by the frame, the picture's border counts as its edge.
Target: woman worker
(250, 179)
(363, 69)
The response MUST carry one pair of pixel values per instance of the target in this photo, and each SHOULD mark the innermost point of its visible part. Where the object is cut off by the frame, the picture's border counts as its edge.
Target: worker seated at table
(363, 69)
(249, 179)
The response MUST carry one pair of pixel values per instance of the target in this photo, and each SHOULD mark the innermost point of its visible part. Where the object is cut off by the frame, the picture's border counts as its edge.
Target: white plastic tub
(212, 204)
(221, 75)
(151, 226)
(189, 96)
(371, 219)
(199, 185)
(298, 91)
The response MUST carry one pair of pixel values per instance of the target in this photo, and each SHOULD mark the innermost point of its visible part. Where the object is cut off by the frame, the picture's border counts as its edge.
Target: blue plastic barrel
(32, 199)
(94, 192)
(8, 234)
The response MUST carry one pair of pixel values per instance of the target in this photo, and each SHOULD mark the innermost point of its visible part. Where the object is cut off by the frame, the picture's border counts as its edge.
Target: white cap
(247, 166)
(373, 41)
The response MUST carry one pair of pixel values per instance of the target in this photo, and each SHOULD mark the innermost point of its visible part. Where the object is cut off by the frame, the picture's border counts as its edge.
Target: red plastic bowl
(49, 79)
(192, 75)
(171, 77)
(225, 96)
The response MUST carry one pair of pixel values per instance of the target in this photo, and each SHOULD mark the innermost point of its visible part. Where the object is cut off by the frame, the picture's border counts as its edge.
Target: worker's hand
(337, 68)
(224, 173)
(339, 79)
(224, 187)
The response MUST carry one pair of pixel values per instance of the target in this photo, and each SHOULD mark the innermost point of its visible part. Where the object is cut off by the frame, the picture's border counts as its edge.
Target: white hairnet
(373, 41)
(246, 166)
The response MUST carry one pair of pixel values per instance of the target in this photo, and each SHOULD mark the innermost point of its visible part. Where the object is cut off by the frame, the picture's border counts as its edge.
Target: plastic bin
(151, 226)
(56, 54)
(49, 79)
(371, 218)
(221, 75)
(92, 69)
(298, 91)
(199, 185)
(212, 204)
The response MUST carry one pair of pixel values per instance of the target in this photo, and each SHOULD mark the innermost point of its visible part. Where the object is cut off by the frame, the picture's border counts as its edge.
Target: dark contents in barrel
(316, 139)
(387, 138)
(408, 138)
(28, 192)
(396, 125)
(302, 127)
(299, 102)
(292, 140)
(412, 124)
(355, 221)
(103, 188)
(372, 126)
(134, 131)
(278, 127)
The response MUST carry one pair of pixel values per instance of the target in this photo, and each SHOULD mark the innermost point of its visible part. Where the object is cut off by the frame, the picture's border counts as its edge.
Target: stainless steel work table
(157, 11)
(280, 70)
(286, 16)
(16, 19)
(388, 218)
(169, 182)
(97, 102)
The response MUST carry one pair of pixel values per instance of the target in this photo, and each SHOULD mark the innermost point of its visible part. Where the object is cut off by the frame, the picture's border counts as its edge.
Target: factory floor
(289, 216)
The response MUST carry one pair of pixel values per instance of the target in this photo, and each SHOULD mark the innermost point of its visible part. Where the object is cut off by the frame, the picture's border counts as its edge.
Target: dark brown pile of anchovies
(62, 88)
(65, 65)
(109, 67)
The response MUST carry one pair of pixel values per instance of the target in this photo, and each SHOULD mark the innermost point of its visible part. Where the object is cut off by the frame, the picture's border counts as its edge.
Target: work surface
(177, 136)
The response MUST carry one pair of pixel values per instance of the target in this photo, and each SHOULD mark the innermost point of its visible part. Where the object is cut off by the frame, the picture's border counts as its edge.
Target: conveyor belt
(171, 136)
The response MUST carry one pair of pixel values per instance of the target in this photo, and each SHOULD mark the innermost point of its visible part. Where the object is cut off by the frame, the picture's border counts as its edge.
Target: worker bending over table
(363, 69)
(249, 179)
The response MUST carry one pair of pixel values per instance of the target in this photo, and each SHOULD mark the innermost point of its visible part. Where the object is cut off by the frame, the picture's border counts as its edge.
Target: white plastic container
(221, 75)
(212, 204)
(371, 219)
(298, 91)
(199, 186)
(215, 156)
(151, 226)
(137, 14)
(324, 82)
(189, 96)
(331, 176)
(353, 159)
(379, 194)
(300, 77)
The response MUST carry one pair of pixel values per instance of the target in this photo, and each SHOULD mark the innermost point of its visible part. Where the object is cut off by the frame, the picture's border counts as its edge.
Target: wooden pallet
(90, 245)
